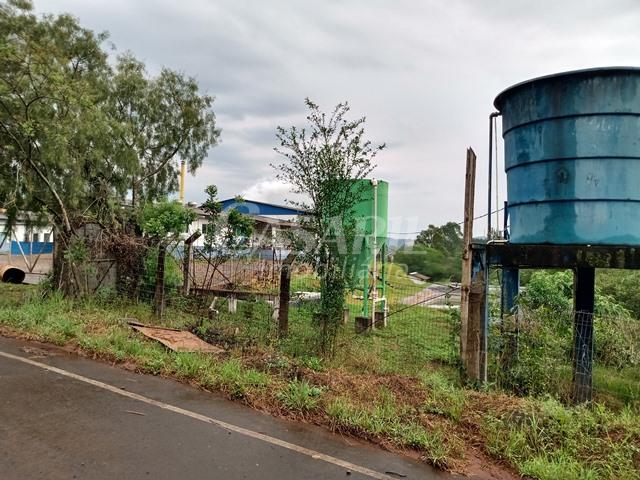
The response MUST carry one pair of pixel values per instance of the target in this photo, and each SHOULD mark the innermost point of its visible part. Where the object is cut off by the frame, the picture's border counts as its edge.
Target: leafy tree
(164, 222)
(437, 252)
(321, 162)
(76, 135)
(446, 238)
(59, 160)
(225, 233)
(429, 261)
(57, 155)
(623, 285)
(166, 120)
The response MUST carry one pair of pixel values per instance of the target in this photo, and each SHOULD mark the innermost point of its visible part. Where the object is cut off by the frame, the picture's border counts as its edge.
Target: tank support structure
(584, 279)
(583, 260)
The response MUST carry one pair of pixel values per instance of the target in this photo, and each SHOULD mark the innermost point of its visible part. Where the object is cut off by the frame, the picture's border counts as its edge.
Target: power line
(459, 223)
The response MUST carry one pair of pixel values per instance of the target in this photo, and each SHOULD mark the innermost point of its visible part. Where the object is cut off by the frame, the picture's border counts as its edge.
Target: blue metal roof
(252, 207)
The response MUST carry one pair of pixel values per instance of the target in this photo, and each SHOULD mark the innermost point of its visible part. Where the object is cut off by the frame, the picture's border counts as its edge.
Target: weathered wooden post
(187, 261)
(469, 195)
(475, 359)
(285, 295)
(158, 305)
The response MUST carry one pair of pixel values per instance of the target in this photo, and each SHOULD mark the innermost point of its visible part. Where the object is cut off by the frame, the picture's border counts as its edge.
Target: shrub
(172, 273)
(300, 396)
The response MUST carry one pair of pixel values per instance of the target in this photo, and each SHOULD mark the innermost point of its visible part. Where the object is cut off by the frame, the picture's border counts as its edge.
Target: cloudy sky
(423, 72)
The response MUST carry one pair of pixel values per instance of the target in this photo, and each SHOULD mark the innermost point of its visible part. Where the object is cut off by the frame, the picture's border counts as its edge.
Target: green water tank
(370, 218)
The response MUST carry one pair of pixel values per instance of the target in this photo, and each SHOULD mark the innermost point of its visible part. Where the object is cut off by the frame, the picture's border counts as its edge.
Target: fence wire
(573, 356)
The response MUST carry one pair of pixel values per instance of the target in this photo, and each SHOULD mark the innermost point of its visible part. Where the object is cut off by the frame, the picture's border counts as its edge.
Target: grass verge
(429, 413)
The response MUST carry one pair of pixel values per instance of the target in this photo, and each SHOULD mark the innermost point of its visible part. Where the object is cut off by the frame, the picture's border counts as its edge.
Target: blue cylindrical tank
(572, 157)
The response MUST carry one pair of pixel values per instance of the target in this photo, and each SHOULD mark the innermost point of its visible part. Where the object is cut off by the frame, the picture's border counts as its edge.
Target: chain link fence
(566, 354)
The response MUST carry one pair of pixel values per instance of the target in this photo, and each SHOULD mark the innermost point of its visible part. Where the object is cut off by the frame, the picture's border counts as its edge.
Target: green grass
(547, 440)
(383, 417)
(237, 380)
(617, 386)
(397, 386)
(444, 398)
(399, 284)
(300, 396)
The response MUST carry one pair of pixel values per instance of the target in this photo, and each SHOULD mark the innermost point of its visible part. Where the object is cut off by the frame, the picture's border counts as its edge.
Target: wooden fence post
(285, 295)
(186, 262)
(158, 305)
(469, 196)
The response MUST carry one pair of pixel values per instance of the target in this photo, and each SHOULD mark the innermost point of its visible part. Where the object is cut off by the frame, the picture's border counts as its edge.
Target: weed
(546, 438)
(314, 363)
(238, 381)
(300, 396)
(386, 419)
(191, 366)
(444, 397)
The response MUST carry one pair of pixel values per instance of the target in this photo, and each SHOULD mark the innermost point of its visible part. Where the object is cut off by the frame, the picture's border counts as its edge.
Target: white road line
(203, 418)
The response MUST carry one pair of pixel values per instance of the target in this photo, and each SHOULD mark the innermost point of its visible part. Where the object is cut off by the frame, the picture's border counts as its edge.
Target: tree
(429, 261)
(447, 238)
(321, 163)
(166, 121)
(224, 234)
(163, 222)
(55, 137)
(76, 137)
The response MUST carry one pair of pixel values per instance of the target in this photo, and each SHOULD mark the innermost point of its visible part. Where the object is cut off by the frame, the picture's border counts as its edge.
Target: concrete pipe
(11, 274)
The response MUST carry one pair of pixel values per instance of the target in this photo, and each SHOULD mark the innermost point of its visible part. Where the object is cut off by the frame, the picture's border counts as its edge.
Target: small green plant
(444, 397)
(238, 381)
(314, 363)
(300, 396)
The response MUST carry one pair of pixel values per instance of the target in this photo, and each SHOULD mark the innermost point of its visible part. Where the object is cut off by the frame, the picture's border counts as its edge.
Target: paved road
(64, 417)
(434, 296)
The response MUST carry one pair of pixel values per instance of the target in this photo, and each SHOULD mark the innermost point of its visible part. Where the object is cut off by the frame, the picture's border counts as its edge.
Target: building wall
(32, 240)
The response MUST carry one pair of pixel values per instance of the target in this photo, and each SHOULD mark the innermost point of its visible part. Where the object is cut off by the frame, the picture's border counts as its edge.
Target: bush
(172, 273)
(429, 261)
(617, 342)
(300, 396)
(543, 350)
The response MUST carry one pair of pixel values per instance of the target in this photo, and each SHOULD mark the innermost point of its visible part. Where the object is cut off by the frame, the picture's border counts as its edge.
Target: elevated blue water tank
(572, 157)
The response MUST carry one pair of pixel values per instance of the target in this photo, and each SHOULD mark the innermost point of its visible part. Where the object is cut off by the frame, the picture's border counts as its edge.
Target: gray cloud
(424, 73)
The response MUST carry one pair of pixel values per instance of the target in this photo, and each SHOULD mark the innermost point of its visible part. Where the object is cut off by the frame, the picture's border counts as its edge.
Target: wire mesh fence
(234, 302)
(238, 303)
(573, 356)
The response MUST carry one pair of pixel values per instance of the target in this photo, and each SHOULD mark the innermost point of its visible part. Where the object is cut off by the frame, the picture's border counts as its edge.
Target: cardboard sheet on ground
(176, 340)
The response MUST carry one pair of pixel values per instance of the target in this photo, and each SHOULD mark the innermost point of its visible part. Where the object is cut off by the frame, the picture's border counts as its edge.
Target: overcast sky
(423, 72)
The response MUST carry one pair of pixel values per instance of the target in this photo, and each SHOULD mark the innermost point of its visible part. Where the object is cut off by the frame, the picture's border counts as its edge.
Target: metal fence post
(584, 302)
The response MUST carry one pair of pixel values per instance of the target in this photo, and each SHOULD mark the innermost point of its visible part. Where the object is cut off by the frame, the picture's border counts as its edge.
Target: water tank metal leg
(584, 302)
(509, 315)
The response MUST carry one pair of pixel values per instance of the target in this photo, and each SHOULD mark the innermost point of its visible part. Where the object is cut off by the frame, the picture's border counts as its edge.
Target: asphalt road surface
(65, 417)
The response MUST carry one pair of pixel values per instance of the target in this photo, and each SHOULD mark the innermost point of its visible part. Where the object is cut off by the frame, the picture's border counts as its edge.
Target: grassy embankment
(400, 399)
